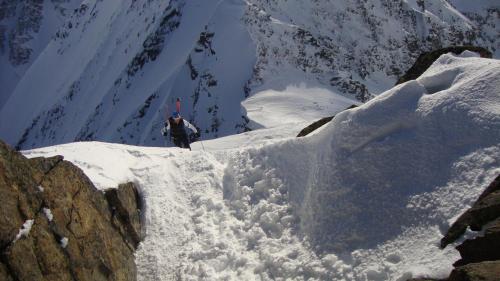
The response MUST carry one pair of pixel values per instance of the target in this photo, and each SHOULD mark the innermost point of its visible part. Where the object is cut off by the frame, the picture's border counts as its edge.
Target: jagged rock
(425, 60)
(480, 256)
(484, 210)
(124, 202)
(311, 128)
(4, 273)
(483, 271)
(485, 248)
(55, 225)
(18, 192)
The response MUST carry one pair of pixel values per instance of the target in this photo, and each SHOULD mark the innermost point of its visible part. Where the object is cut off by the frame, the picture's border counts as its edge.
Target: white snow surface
(64, 242)
(24, 230)
(366, 197)
(270, 108)
(25, 30)
(48, 214)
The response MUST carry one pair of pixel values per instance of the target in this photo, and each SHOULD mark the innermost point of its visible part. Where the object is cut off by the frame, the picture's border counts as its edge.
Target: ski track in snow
(165, 211)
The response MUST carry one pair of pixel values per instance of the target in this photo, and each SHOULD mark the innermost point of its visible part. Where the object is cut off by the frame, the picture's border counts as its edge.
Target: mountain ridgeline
(111, 70)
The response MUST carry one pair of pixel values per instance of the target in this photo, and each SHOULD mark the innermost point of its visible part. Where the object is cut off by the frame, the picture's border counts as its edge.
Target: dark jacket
(177, 129)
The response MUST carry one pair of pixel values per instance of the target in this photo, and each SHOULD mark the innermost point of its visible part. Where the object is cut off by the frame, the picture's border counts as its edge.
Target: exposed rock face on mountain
(483, 271)
(354, 46)
(485, 210)
(55, 225)
(311, 128)
(124, 202)
(425, 60)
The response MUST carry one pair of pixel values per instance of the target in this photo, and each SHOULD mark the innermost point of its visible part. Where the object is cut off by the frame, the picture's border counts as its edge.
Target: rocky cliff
(55, 225)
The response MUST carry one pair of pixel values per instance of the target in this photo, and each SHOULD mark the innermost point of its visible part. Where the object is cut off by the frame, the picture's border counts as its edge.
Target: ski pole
(202, 144)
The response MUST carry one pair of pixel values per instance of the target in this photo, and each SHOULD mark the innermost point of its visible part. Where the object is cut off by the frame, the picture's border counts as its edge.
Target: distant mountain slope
(26, 27)
(114, 69)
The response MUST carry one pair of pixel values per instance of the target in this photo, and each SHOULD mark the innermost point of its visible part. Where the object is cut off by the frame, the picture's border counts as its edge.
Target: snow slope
(366, 197)
(115, 68)
(26, 27)
(301, 103)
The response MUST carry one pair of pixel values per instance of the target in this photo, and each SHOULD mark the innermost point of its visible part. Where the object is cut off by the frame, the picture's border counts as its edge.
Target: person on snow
(178, 133)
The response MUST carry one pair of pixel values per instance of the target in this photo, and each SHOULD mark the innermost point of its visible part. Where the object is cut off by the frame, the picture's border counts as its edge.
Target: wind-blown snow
(366, 197)
(64, 242)
(48, 214)
(24, 230)
(271, 108)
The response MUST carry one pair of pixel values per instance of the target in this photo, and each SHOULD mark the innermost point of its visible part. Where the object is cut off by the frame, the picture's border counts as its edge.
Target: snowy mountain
(366, 197)
(26, 27)
(113, 70)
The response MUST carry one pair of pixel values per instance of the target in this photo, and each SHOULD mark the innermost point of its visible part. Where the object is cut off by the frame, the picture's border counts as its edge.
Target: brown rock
(4, 273)
(18, 190)
(23, 261)
(485, 248)
(425, 60)
(124, 203)
(484, 210)
(96, 248)
(311, 128)
(483, 271)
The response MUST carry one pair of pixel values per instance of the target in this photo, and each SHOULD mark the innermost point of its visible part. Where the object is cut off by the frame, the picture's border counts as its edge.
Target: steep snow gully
(366, 197)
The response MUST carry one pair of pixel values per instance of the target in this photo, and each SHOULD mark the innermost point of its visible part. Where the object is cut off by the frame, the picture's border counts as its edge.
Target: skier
(178, 125)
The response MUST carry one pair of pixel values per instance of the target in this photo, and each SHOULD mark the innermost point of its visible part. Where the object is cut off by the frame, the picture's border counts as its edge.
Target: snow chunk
(25, 230)
(48, 214)
(469, 54)
(40, 188)
(64, 242)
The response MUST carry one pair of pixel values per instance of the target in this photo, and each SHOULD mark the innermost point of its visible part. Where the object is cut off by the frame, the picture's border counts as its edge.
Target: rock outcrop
(55, 225)
(484, 271)
(311, 128)
(486, 209)
(425, 60)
